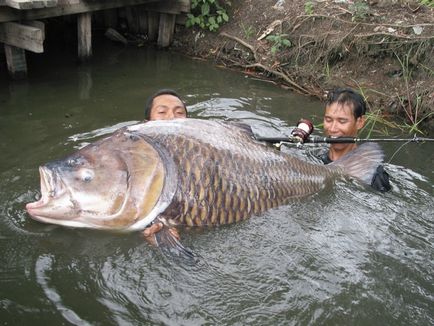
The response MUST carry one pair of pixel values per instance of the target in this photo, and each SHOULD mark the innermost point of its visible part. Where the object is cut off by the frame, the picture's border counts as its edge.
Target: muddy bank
(384, 49)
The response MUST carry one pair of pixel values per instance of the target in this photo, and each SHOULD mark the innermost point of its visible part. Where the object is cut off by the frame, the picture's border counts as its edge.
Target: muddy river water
(345, 256)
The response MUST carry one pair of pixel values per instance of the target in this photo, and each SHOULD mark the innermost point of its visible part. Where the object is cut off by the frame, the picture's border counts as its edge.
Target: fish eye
(86, 175)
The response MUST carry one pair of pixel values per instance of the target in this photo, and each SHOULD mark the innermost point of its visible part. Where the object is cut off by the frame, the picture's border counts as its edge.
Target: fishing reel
(301, 133)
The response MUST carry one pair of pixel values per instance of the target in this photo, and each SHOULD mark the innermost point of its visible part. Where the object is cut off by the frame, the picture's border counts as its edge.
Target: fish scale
(247, 178)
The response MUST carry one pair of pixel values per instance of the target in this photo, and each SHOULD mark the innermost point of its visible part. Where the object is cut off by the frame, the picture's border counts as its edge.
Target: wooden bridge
(22, 26)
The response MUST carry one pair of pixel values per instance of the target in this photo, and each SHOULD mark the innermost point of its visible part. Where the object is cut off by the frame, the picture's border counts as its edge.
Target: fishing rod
(339, 140)
(302, 135)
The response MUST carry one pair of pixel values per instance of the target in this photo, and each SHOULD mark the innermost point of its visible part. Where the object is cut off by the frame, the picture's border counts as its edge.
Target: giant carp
(182, 172)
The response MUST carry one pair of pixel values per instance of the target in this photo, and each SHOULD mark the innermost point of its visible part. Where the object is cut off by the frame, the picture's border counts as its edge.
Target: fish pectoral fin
(167, 238)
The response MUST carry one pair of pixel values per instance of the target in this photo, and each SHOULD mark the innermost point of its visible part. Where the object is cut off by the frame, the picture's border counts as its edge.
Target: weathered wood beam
(16, 61)
(166, 29)
(170, 6)
(84, 31)
(37, 24)
(9, 14)
(22, 36)
(28, 4)
(20, 4)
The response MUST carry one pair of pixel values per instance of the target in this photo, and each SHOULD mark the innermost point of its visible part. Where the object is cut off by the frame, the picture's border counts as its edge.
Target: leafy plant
(359, 10)
(208, 14)
(279, 42)
(327, 70)
(248, 31)
(308, 7)
(428, 3)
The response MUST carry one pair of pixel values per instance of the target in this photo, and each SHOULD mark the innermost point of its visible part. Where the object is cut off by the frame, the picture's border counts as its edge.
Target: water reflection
(347, 255)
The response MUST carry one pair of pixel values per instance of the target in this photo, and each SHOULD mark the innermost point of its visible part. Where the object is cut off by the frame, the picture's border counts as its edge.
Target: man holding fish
(344, 116)
(157, 175)
(165, 104)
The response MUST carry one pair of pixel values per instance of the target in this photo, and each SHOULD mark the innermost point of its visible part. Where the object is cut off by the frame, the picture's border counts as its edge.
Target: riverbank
(383, 48)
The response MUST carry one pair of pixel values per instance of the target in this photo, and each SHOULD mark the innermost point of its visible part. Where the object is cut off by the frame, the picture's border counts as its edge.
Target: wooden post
(16, 62)
(166, 29)
(84, 27)
(153, 19)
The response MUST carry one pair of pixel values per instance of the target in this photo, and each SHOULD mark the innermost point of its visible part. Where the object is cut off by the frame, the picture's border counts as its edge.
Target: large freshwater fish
(181, 172)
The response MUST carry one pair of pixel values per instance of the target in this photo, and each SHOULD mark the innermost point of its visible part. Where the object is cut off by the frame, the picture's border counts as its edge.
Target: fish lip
(51, 188)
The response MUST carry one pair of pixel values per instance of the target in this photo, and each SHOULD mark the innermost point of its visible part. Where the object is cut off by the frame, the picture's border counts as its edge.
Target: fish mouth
(51, 189)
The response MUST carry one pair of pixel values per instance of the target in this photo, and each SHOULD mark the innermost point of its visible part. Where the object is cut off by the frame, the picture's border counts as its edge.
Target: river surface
(346, 256)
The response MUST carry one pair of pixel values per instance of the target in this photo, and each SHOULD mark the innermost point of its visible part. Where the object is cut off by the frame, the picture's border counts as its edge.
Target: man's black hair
(349, 97)
(165, 91)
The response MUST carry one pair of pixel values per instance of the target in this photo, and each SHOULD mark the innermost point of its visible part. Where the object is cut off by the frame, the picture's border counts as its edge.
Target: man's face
(167, 107)
(339, 121)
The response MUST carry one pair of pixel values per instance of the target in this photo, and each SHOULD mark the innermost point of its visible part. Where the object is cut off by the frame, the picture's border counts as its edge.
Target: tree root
(265, 68)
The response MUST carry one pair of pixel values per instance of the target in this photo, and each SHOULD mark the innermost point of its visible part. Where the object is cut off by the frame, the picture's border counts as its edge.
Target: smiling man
(344, 116)
(165, 104)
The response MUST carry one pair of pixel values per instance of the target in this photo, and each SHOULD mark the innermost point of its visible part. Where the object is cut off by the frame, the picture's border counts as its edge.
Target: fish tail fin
(361, 162)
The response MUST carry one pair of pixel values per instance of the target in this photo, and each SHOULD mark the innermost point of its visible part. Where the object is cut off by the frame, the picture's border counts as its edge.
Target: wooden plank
(18, 4)
(22, 36)
(16, 62)
(28, 4)
(84, 31)
(50, 3)
(166, 29)
(170, 6)
(9, 14)
(37, 24)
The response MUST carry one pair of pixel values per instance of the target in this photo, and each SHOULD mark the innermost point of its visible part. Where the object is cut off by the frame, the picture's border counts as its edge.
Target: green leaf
(205, 9)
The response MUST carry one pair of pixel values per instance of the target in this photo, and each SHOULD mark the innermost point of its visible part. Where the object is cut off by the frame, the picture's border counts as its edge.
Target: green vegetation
(279, 42)
(359, 10)
(428, 3)
(308, 7)
(208, 14)
(410, 108)
(248, 31)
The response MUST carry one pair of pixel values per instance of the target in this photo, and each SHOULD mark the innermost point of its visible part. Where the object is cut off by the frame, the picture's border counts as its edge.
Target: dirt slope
(383, 48)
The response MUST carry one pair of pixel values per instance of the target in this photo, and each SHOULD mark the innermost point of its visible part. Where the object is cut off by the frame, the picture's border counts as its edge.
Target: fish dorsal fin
(362, 162)
(245, 128)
